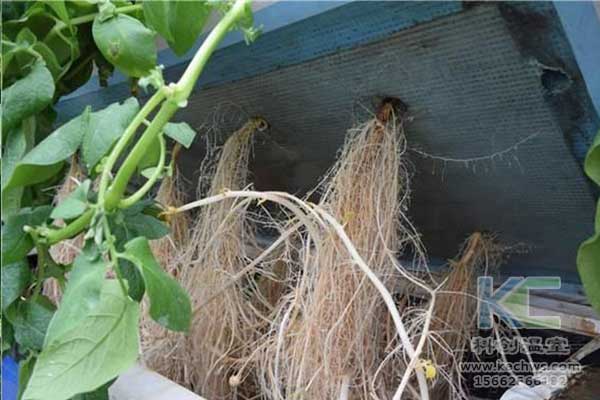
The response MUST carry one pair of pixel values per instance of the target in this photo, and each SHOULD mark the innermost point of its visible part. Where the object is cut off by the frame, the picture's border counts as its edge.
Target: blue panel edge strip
(581, 22)
(349, 25)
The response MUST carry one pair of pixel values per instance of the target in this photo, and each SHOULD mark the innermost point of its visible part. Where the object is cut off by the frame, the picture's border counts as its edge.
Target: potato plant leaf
(126, 43)
(17, 144)
(101, 346)
(60, 9)
(27, 96)
(181, 133)
(75, 204)
(7, 334)
(105, 127)
(145, 225)
(49, 57)
(82, 292)
(16, 243)
(99, 394)
(46, 159)
(15, 278)
(592, 161)
(169, 304)
(135, 282)
(178, 21)
(30, 321)
(588, 266)
(588, 255)
(25, 370)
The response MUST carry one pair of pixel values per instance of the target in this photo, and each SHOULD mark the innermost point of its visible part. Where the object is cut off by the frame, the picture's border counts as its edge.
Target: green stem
(84, 19)
(190, 76)
(137, 196)
(180, 93)
(150, 105)
(56, 235)
(126, 170)
(110, 198)
(41, 265)
(113, 254)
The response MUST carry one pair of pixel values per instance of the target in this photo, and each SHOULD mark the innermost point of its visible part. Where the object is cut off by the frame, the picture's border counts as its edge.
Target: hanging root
(65, 251)
(331, 334)
(320, 224)
(223, 329)
(455, 312)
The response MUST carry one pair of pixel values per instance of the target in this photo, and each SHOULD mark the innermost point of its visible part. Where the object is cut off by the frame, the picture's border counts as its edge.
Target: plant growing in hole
(49, 48)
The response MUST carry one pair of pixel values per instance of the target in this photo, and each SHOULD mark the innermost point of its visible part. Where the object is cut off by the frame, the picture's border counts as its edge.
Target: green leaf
(132, 222)
(26, 37)
(99, 394)
(18, 143)
(156, 14)
(59, 8)
(46, 159)
(103, 345)
(16, 243)
(149, 172)
(169, 304)
(179, 21)
(592, 161)
(58, 38)
(15, 278)
(135, 281)
(597, 224)
(588, 255)
(126, 43)
(180, 132)
(12, 9)
(8, 334)
(27, 96)
(52, 63)
(105, 127)
(25, 370)
(588, 265)
(75, 204)
(30, 321)
(82, 293)
(137, 223)
(147, 226)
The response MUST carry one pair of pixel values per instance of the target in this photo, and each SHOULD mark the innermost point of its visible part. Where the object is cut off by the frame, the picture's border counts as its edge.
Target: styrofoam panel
(472, 91)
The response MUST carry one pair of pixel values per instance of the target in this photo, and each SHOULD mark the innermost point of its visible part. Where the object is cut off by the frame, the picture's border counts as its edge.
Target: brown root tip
(261, 124)
(389, 106)
(168, 212)
(175, 152)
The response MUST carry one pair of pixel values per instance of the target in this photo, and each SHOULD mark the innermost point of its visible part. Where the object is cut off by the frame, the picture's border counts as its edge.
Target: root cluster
(333, 330)
(327, 310)
(225, 321)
